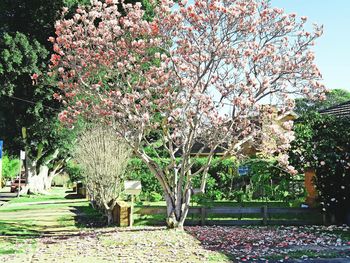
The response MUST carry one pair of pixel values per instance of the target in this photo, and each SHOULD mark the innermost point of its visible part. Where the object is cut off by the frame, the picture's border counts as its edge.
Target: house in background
(249, 145)
(340, 110)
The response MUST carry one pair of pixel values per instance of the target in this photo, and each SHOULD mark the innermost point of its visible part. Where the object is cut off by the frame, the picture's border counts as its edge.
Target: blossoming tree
(198, 73)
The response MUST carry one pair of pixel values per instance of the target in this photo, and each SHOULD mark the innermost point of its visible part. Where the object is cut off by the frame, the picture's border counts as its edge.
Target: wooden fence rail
(261, 215)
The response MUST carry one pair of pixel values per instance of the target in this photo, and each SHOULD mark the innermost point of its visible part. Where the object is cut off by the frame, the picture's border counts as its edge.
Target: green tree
(25, 27)
(322, 143)
(10, 168)
(334, 97)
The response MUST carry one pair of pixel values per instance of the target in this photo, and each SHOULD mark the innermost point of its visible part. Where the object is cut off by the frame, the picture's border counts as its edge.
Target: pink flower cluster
(199, 72)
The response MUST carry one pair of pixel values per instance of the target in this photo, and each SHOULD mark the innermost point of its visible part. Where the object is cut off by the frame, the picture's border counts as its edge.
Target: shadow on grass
(73, 196)
(18, 229)
(88, 217)
(70, 194)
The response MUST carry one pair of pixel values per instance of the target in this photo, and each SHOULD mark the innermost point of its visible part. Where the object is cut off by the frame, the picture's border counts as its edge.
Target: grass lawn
(23, 220)
(50, 229)
(55, 194)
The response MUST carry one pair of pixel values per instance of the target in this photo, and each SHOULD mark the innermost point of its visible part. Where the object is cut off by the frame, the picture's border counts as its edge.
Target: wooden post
(203, 216)
(132, 211)
(240, 214)
(20, 178)
(264, 210)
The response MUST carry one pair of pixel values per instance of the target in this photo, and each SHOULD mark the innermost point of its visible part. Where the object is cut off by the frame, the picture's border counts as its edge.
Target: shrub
(103, 158)
(265, 181)
(269, 182)
(137, 170)
(74, 171)
(10, 167)
(219, 184)
(155, 197)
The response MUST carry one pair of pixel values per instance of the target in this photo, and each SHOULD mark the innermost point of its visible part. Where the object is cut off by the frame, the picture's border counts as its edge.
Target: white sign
(132, 187)
(23, 155)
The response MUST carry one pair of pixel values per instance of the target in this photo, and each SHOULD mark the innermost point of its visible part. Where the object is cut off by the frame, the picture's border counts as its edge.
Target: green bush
(137, 170)
(322, 143)
(268, 181)
(10, 167)
(218, 187)
(155, 197)
(74, 171)
(265, 181)
(61, 180)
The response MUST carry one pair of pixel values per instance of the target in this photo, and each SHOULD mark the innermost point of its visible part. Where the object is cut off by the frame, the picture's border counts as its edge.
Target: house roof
(340, 110)
(246, 144)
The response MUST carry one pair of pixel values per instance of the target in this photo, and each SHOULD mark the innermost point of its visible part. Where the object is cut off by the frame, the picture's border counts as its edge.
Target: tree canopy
(334, 97)
(178, 73)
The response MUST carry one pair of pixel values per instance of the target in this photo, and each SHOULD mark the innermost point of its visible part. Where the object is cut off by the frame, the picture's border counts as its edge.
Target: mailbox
(132, 187)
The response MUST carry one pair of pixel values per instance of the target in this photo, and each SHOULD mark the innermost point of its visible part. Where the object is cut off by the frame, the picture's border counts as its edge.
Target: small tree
(10, 168)
(198, 74)
(103, 158)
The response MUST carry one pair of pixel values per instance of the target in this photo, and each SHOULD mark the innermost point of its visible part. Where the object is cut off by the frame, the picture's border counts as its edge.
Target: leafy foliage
(218, 187)
(74, 171)
(265, 181)
(269, 182)
(24, 29)
(10, 167)
(322, 142)
(334, 97)
(19, 56)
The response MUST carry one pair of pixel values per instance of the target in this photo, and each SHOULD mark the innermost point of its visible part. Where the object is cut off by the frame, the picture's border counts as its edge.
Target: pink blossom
(207, 84)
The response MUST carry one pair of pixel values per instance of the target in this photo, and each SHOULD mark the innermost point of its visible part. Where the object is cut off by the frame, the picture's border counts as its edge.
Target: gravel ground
(196, 244)
(268, 243)
(146, 244)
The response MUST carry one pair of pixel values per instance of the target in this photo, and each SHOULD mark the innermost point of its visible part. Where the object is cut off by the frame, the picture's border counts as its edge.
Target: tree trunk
(48, 181)
(109, 217)
(177, 211)
(36, 182)
(108, 207)
(177, 193)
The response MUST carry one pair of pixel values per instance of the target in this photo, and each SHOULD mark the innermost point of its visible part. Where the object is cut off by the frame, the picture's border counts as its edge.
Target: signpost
(1, 144)
(22, 156)
(132, 188)
(243, 170)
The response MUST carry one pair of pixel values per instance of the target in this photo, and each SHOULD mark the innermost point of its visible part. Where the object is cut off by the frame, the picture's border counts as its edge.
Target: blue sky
(333, 48)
